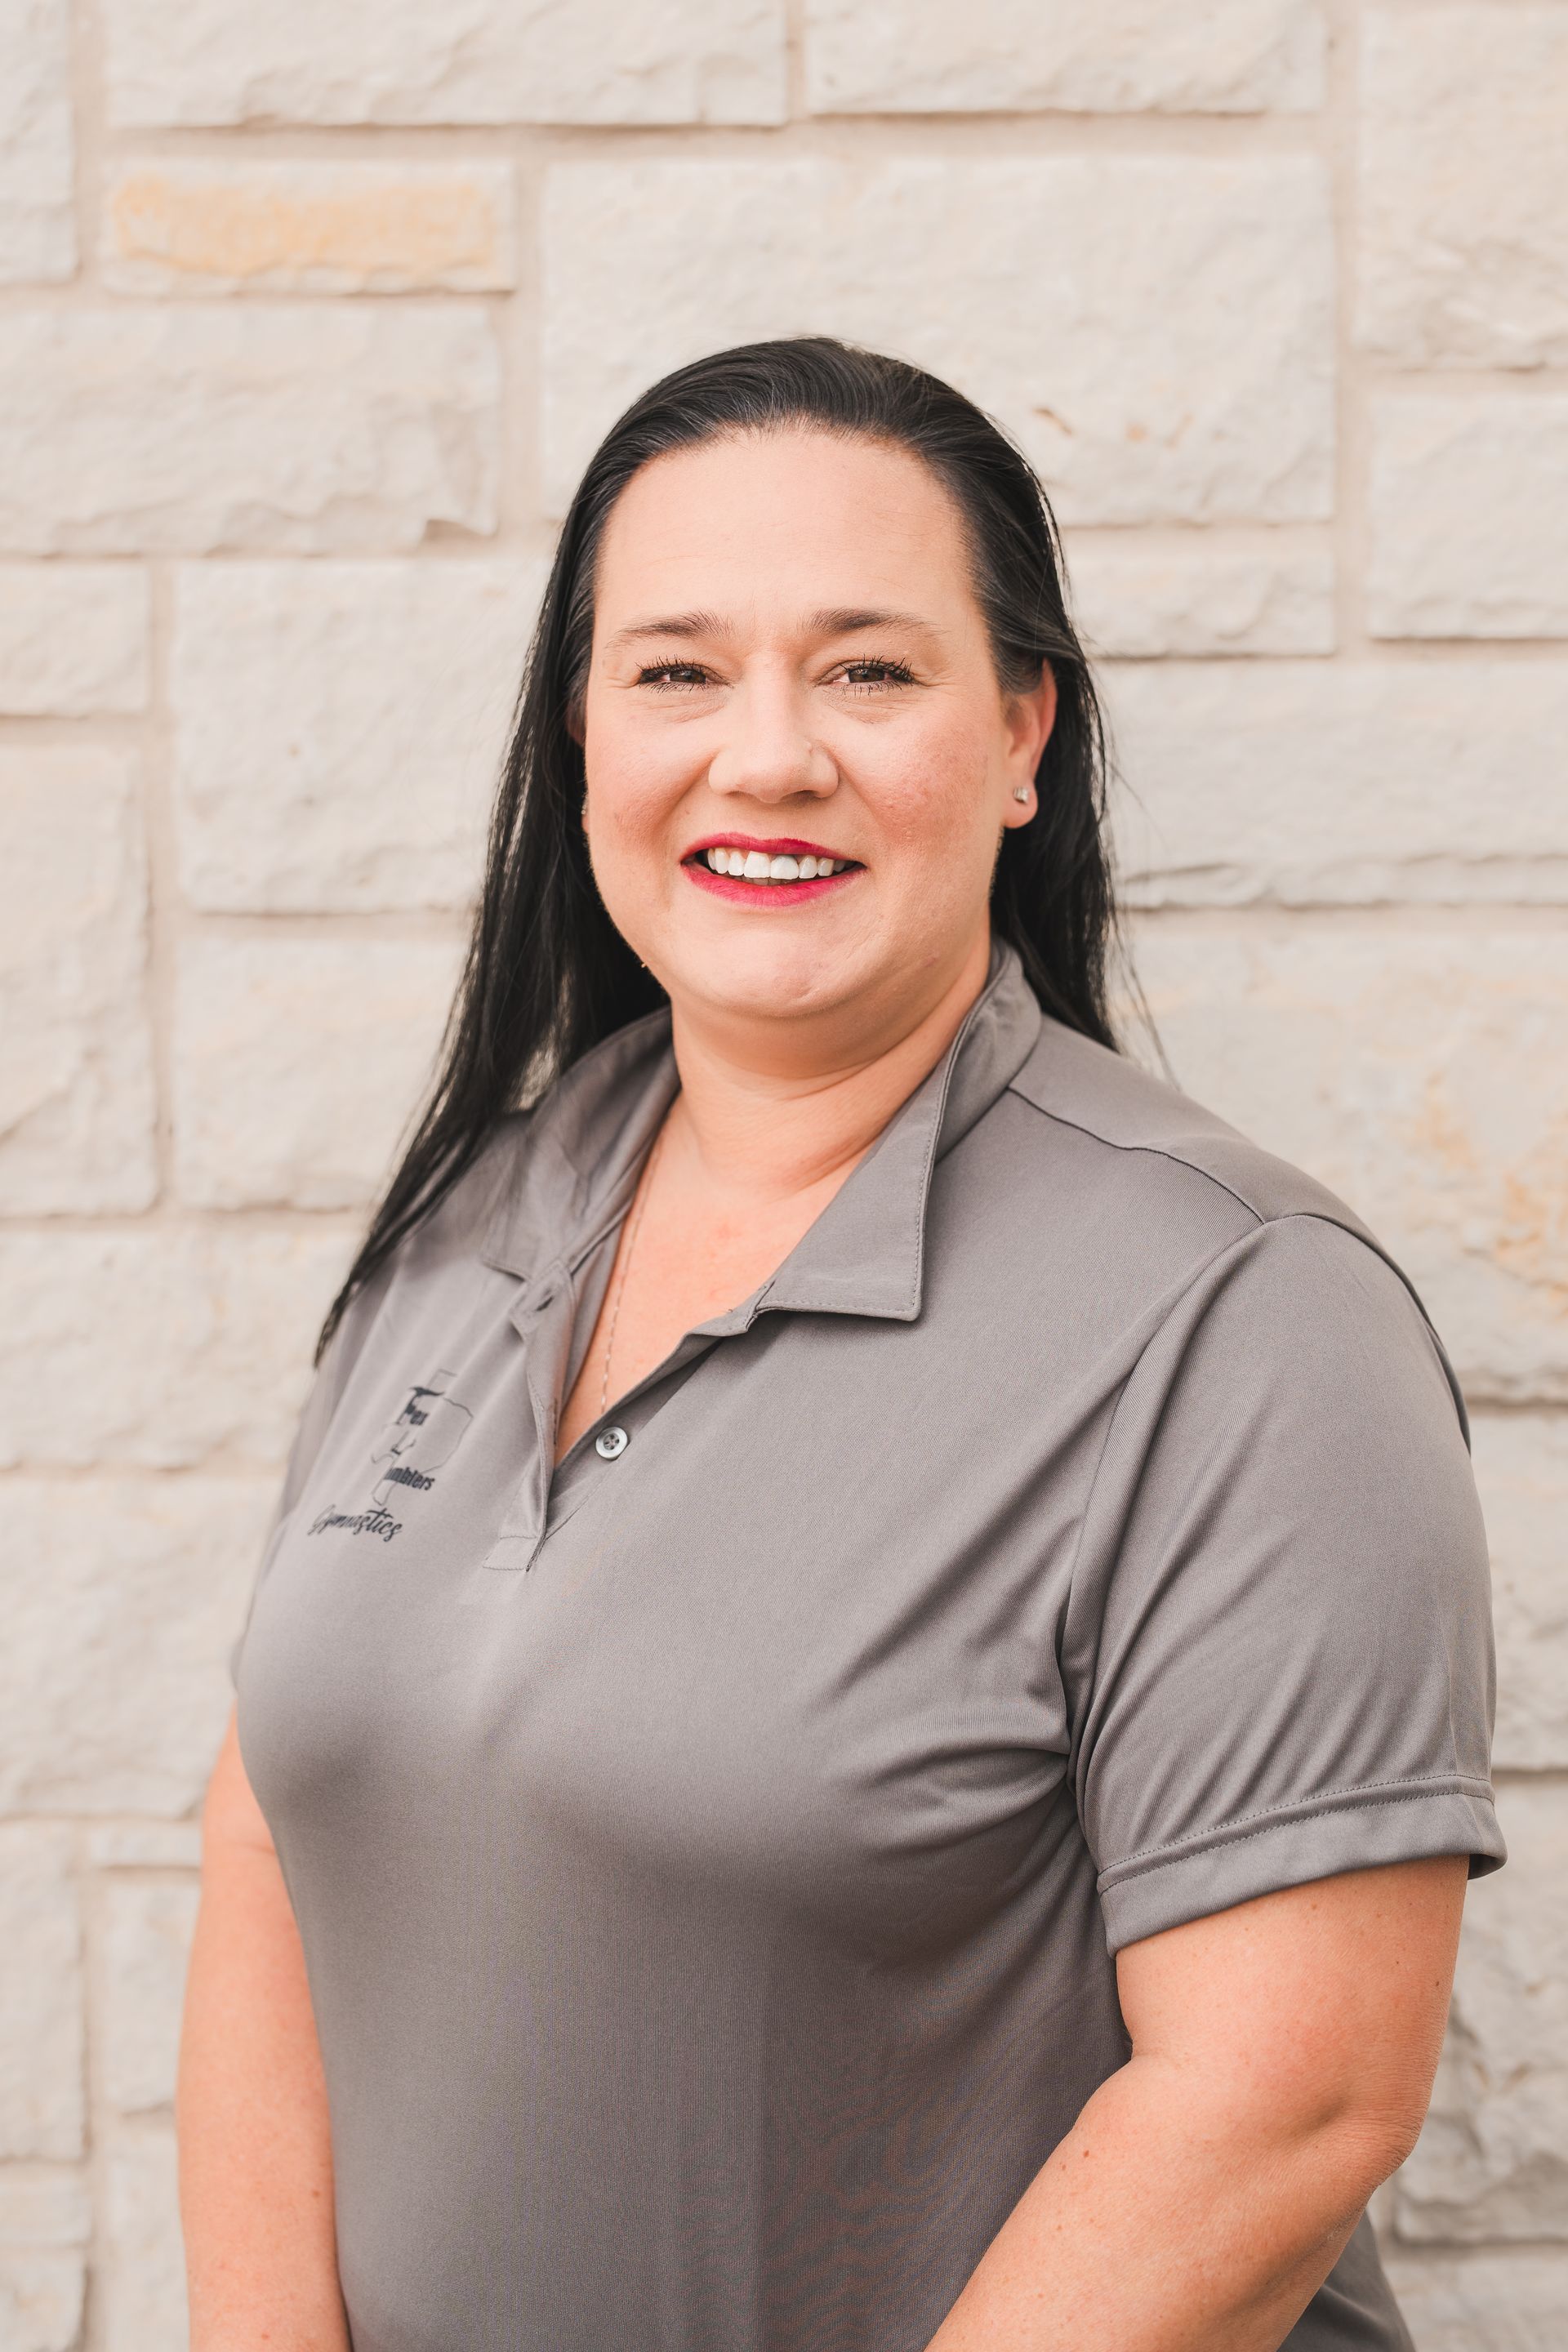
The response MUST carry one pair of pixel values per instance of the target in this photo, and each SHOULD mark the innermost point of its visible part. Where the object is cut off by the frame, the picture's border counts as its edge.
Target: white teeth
(756, 866)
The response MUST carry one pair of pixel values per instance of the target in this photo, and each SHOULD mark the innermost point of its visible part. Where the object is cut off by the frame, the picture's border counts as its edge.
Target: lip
(779, 896)
(782, 846)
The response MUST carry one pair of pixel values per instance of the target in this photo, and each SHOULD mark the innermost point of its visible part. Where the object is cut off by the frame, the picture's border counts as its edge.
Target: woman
(868, 1702)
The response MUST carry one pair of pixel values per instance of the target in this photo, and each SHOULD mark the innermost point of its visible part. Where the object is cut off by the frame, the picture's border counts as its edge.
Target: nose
(768, 751)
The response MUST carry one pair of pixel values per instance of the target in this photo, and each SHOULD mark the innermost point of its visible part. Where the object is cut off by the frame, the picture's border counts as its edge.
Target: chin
(766, 978)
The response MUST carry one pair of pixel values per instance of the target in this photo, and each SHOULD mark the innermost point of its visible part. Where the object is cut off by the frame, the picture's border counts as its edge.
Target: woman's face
(789, 664)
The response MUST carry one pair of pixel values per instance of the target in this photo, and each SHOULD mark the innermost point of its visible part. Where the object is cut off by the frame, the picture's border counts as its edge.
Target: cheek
(636, 776)
(932, 796)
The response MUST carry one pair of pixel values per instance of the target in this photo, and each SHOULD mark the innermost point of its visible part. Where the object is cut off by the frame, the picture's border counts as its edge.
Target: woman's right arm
(256, 2171)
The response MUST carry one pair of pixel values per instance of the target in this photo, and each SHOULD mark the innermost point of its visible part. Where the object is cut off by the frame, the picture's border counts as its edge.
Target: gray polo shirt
(709, 1854)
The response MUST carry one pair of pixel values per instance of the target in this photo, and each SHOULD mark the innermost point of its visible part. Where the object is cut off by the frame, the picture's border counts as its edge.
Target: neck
(748, 1128)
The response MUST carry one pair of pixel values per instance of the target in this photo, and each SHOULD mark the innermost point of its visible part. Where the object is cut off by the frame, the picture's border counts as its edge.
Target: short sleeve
(1279, 1646)
(331, 1378)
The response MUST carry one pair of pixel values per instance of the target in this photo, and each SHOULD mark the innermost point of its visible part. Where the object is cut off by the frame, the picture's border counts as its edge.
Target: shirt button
(611, 1442)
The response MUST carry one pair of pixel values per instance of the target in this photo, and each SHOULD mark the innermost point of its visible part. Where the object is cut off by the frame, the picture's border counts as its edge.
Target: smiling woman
(890, 721)
(866, 1710)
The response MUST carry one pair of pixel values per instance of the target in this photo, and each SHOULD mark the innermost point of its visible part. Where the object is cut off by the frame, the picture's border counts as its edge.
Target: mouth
(738, 866)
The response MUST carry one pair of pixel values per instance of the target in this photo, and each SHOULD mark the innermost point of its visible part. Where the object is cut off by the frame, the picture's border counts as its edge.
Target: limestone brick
(1467, 538)
(43, 2206)
(1144, 600)
(1463, 200)
(1521, 1467)
(144, 2307)
(73, 639)
(114, 1845)
(910, 57)
(171, 228)
(163, 1348)
(38, 222)
(41, 2055)
(147, 1946)
(1155, 331)
(195, 426)
(1485, 2302)
(1418, 1073)
(41, 2301)
(76, 1097)
(114, 1676)
(214, 61)
(340, 728)
(1492, 2163)
(259, 1123)
(1370, 782)
(46, 2220)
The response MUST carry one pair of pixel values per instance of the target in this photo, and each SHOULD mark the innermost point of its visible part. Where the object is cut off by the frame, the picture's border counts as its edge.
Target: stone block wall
(309, 311)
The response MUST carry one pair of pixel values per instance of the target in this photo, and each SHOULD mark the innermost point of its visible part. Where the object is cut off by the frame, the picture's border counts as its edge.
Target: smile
(756, 866)
(772, 871)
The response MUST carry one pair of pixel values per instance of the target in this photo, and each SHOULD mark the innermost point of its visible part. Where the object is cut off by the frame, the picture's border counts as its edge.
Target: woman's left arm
(1283, 2053)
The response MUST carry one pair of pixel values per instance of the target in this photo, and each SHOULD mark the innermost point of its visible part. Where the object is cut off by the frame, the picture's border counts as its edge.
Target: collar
(579, 1150)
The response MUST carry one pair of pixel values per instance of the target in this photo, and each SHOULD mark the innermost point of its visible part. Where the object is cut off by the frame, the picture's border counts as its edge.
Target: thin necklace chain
(625, 1268)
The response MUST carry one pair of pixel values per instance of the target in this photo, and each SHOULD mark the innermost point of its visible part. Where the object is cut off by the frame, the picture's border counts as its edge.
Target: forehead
(788, 518)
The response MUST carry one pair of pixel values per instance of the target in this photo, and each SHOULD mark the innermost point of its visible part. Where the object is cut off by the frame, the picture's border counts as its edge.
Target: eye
(867, 676)
(667, 676)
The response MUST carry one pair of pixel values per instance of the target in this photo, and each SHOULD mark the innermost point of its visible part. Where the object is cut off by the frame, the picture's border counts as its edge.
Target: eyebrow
(832, 621)
(672, 624)
(842, 621)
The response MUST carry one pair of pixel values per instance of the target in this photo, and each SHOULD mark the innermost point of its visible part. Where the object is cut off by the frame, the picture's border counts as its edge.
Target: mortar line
(1342, 122)
(161, 877)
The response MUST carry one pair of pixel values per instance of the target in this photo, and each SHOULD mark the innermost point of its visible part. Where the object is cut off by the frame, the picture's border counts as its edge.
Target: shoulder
(458, 1244)
(452, 1242)
(1186, 1211)
(463, 1222)
(539, 1169)
(1128, 1115)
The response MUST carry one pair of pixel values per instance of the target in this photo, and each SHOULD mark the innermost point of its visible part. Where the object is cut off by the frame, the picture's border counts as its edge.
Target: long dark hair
(548, 975)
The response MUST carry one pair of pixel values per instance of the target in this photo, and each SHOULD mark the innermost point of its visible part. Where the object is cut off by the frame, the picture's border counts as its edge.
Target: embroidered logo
(426, 1434)
(358, 1523)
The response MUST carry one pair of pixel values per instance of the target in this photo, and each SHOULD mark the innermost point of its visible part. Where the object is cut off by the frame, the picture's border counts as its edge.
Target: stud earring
(1020, 792)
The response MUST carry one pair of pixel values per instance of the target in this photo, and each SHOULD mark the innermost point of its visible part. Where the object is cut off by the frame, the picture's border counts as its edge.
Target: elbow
(1362, 2146)
(1338, 2144)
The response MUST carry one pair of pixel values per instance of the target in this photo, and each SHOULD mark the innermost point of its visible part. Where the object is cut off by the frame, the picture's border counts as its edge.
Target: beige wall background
(312, 309)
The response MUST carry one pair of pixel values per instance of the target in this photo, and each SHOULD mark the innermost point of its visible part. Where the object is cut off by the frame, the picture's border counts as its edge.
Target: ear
(1029, 717)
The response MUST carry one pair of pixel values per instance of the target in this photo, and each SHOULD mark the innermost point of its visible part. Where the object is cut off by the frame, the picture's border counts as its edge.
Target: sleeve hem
(1345, 1830)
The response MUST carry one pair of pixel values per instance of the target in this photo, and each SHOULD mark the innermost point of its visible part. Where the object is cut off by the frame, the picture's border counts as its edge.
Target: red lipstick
(781, 845)
(766, 895)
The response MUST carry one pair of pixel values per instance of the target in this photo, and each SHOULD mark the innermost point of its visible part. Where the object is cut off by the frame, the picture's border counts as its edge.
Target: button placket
(543, 1323)
(550, 1492)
